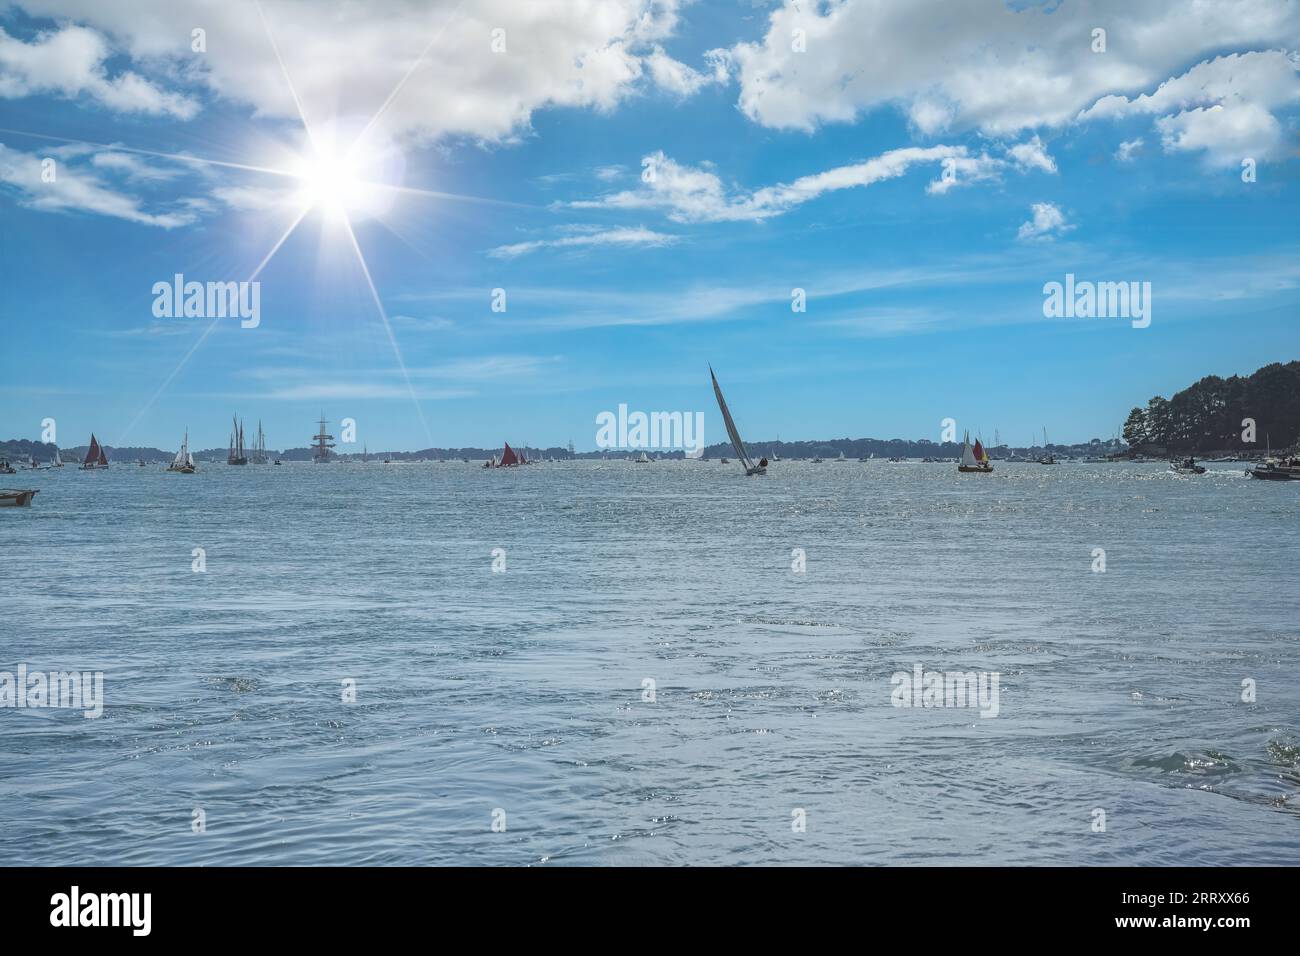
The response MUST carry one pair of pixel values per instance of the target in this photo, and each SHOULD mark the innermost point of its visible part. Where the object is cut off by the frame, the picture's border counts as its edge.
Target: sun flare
(332, 183)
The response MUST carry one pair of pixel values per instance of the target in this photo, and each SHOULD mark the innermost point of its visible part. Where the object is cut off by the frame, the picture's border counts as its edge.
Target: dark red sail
(508, 457)
(92, 456)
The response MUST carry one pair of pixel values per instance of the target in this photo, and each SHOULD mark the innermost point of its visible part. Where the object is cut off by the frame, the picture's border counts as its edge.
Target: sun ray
(208, 331)
(455, 197)
(392, 339)
(176, 157)
(402, 82)
(288, 82)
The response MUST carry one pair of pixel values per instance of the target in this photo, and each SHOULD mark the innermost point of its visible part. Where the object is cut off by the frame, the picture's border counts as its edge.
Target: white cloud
(69, 62)
(638, 236)
(999, 67)
(132, 167)
(676, 77)
(592, 54)
(1221, 106)
(1127, 148)
(1048, 222)
(697, 194)
(1032, 155)
(77, 188)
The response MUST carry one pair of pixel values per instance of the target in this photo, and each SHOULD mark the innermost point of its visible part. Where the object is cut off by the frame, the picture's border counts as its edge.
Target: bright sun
(332, 183)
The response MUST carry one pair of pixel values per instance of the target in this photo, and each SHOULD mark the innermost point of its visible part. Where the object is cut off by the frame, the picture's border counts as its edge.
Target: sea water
(611, 663)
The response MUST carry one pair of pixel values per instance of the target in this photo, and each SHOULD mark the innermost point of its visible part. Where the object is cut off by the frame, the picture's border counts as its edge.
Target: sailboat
(184, 461)
(741, 453)
(57, 462)
(1048, 458)
(974, 461)
(237, 456)
(95, 457)
(509, 458)
(259, 452)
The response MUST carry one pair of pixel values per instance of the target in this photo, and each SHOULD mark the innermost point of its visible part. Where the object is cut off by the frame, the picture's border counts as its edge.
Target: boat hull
(16, 497)
(974, 470)
(1271, 474)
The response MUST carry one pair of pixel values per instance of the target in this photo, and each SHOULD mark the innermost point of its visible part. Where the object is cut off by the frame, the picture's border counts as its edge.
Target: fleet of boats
(974, 457)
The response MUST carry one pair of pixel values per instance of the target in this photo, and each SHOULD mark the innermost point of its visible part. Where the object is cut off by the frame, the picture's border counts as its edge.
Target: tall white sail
(967, 453)
(183, 457)
(731, 426)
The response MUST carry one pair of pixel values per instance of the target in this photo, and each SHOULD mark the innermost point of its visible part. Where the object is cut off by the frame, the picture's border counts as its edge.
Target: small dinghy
(974, 461)
(16, 497)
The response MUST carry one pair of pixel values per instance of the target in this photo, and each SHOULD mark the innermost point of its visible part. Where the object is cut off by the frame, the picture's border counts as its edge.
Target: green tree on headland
(1208, 416)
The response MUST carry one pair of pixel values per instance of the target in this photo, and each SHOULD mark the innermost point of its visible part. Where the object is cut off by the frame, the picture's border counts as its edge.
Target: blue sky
(774, 168)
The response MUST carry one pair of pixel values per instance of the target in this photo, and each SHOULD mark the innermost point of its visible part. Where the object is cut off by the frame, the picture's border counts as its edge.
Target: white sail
(967, 453)
(57, 460)
(731, 426)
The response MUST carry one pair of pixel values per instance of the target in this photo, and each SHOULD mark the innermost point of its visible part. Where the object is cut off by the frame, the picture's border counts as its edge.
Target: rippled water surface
(523, 690)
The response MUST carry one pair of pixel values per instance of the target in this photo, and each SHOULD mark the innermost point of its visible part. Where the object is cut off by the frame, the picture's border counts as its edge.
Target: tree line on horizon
(1214, 413)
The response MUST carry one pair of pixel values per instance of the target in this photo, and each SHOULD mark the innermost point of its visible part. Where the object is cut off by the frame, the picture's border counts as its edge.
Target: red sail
(103, 459)
(92, 456)
(979, 451)
(508, 457)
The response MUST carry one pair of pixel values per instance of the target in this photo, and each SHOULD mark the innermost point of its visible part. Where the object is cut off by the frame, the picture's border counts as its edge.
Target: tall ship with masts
(324, 442)
(259, 451)
(237, 456)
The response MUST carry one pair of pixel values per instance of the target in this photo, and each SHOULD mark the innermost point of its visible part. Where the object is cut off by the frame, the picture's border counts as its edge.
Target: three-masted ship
(323, 443)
